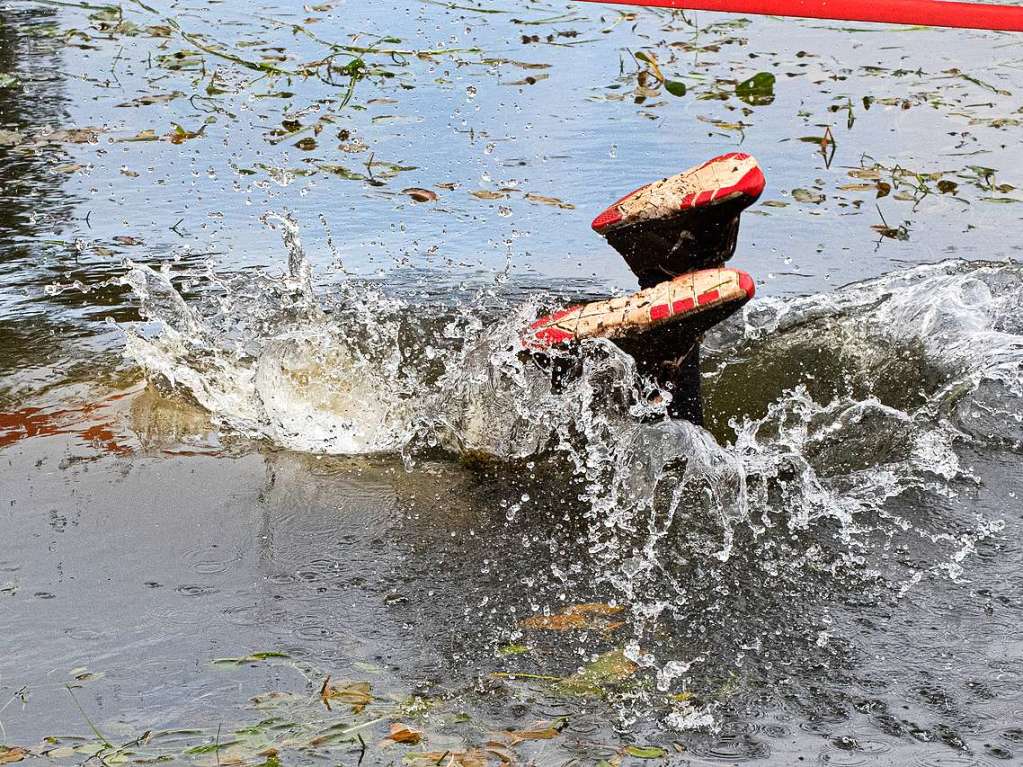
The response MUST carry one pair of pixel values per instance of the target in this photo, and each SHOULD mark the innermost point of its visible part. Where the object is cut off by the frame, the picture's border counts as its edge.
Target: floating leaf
(272, 759)
(72, 136)
(153, 98)
(866, 173)
(675, 88)
(483, 194)
(610, 668)
(758, 90)
(355, 694)
(542, 731)
(403, 733)
(723, 124)
(276, 698)
(11, 754)
(883, 189)
(342, 171)
(646, 752)
(255, 657)
(84, 675)
(512, 649)
(180, 135)
(210, 748)
(146, 135)
(805, 195)
(900, 233)
(530, 80)
(553, 201)
(420, 195)
(651, 61)
(519, 64)
(985, 175)
(947, 187)
(591, 615)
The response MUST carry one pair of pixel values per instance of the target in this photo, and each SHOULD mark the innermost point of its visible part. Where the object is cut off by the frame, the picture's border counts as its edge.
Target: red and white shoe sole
(724, 178)
(669, 302)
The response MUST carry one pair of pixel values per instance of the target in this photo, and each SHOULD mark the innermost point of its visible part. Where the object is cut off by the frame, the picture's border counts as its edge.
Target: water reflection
(34, 100)
(34, 208)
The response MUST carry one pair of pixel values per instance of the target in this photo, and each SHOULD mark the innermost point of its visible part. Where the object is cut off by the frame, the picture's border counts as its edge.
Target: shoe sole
(691, 302)
(734, 176)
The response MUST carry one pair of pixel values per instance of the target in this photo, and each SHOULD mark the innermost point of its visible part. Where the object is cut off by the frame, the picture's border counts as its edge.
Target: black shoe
(683, 223)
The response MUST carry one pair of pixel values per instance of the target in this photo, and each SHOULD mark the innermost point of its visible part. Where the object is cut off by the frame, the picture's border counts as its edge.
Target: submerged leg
(674, 363)
(681, 378)
(675, 235)
(660, 327)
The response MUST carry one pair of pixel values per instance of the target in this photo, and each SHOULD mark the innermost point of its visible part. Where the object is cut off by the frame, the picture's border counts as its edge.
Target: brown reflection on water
(92, 424)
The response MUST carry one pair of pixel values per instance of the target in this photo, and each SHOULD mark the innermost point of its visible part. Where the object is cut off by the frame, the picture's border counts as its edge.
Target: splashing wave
(847, 410)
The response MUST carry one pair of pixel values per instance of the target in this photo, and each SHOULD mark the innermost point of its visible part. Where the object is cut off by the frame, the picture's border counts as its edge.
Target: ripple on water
(740, 747)
(852, 750)
(282, 578)
(314, 628)
(212, 566)
(210, 560)
(242, 615)
(196, 590)
(320, 570)
(996, 751)
(946, 758)
(302, 526)
(1012, 734)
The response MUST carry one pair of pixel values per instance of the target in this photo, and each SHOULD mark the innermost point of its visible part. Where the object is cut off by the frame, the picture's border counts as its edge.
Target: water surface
(274, 479)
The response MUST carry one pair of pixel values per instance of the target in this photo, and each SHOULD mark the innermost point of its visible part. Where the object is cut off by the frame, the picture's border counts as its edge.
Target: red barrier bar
(932, 13)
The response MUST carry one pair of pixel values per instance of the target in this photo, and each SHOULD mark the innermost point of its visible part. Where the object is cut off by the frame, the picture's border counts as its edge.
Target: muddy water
(274, 479)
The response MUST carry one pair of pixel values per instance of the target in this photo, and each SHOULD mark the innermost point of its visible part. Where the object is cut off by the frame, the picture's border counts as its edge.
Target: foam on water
(809, 489)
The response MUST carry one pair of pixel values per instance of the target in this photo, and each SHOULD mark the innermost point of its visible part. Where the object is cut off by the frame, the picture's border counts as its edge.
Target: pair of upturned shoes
(675, 235)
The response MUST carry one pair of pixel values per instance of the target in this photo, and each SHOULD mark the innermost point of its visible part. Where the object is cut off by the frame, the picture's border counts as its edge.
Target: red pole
(932, 13)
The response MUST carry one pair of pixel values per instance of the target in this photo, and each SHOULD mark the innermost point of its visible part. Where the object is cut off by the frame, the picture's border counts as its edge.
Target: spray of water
(806, 491)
